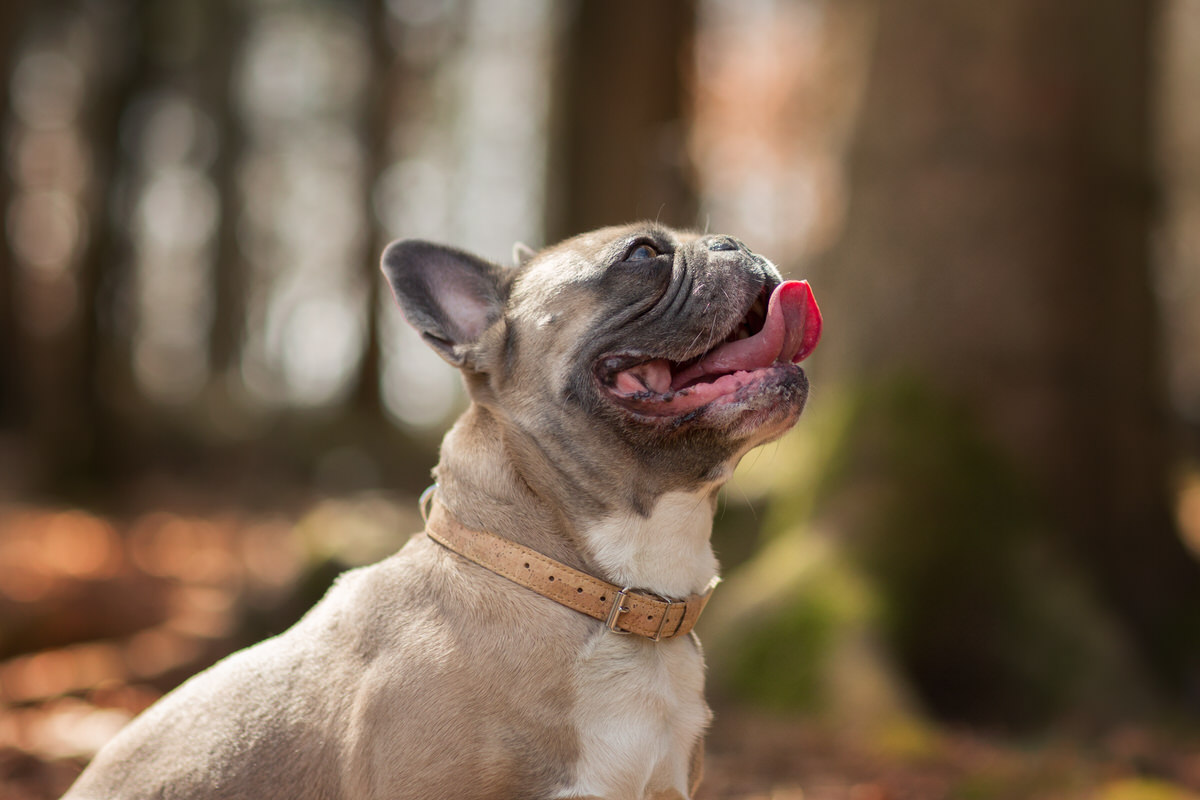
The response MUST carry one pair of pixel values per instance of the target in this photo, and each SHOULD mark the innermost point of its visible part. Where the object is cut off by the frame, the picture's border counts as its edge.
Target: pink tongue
(790, 333)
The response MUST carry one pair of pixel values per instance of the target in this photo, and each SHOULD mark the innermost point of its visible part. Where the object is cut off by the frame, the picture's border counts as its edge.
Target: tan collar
(622, 609)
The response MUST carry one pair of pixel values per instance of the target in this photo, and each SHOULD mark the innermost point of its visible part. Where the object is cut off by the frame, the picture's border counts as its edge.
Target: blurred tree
(987, 440)
(82, 438)
(12, 24)
(376, 126)
(620, 102)
(997, 257)
(145, 357)
(1178, 241)
(224, 35)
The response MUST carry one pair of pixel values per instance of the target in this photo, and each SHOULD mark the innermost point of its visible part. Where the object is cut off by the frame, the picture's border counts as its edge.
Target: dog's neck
(494, 481)
(667, 551)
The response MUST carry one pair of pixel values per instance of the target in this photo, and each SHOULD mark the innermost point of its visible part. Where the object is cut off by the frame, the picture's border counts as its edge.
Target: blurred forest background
(969, 573)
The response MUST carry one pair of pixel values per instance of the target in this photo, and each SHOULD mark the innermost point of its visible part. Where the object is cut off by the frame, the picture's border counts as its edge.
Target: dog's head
(638, 356)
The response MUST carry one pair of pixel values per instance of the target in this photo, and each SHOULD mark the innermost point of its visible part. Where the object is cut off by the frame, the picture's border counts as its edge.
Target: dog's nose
(717, 243)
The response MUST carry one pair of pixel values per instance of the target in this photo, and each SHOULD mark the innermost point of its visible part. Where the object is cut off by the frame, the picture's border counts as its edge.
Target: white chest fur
(639, 712)
(667, 552)
(639, 706)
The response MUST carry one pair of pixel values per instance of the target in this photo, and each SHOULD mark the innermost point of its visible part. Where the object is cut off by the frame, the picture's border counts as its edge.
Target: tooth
(628, 384)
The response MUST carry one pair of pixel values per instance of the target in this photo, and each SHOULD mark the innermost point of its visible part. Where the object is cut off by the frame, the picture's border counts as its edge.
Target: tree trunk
(12, 25)
(101, 374)
(997, 254)
(226, 30)
(618, 153)
(376, 121)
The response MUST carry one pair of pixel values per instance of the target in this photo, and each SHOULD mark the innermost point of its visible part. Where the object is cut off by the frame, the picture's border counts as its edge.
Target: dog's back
(363, 698)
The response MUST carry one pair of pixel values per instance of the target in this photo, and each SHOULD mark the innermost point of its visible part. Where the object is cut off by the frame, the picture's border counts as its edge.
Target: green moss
(777, 668)
(893, 512)
(1145, 789)
(780, 626)
(987, 618)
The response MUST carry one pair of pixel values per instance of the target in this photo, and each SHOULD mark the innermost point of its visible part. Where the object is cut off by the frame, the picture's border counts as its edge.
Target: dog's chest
(639, 713)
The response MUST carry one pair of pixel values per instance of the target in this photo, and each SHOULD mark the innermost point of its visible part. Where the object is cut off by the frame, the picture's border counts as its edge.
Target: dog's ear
(449, 296)
(522, 253)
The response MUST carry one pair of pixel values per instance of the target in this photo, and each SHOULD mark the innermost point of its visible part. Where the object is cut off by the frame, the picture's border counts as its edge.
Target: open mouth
(779, 330)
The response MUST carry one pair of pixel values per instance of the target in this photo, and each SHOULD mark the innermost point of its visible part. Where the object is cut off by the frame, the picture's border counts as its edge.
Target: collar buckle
(662, 621)
(614, 614)
(618, 608)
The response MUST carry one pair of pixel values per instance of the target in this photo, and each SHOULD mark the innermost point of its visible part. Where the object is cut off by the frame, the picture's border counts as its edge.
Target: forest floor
(757, 756)
(101, 614)
(752, 755)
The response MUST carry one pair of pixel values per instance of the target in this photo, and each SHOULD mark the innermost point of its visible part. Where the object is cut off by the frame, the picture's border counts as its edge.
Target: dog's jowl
(535, 641)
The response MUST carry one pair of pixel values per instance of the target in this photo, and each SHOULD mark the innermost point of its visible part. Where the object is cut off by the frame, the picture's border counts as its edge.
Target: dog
(534, 641)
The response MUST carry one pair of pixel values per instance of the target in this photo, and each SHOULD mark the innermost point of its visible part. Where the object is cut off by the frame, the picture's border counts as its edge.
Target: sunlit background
(209, 406)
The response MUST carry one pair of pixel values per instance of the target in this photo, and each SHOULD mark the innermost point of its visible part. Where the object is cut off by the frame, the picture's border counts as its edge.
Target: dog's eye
(642, 252)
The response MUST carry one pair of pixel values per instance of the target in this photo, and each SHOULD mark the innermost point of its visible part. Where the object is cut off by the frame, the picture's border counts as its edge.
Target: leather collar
(623, 610)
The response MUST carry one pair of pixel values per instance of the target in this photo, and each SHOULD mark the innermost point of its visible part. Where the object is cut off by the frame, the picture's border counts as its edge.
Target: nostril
(722, 243)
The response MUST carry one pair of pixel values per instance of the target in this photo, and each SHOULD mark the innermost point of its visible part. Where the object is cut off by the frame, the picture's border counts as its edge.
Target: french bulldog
(615, 381)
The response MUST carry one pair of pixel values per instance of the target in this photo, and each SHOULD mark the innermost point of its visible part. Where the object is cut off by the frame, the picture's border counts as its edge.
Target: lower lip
(738, 388)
